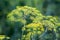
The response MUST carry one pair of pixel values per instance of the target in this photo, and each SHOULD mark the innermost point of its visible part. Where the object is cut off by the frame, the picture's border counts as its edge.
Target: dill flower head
(49, 22)
(32, 29)
(24, 15)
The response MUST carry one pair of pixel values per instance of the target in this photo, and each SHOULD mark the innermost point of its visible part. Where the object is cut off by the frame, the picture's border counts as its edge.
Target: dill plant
(29, 24)
(20, 17)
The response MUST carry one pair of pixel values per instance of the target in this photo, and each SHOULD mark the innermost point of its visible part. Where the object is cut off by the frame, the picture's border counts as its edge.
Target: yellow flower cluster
(22, 14)
(34, 25)
(32, 29)
(3, 37)
(49, 22)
